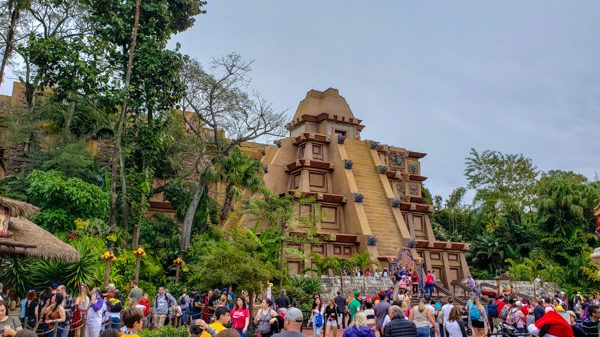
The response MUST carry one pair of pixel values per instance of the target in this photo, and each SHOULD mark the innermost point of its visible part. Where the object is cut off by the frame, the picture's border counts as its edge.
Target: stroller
(506, 330)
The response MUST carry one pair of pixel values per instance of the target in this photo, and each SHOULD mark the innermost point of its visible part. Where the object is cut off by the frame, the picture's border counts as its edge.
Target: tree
(214, 255)
(240, 173)
(220, 106)
(14, 9)
(503, 181)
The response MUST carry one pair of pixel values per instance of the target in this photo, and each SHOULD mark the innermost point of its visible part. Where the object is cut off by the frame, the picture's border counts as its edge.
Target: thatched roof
(28, 239)
(18, 208)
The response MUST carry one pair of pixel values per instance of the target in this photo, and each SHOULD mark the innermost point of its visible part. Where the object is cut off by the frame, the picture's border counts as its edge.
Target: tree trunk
(15, 12)
(186, 229)
(227, 203)
(119, 133)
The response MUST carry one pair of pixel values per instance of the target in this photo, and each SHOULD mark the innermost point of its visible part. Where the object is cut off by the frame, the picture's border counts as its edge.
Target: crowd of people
(407, 310)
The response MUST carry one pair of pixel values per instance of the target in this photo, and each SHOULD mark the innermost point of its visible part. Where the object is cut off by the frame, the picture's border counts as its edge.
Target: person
(385, 272)
(381, 310)
(145, 302)
(198, 327)
(359, 327)
(69, 306)
(414, 278)
(223, 317)
(162, 302)
(553, 324)
(82, 303)
(184, 302)
(340, 303)
(316, 316)
(93, 318)
(135, 294)
(477, 318)
(196, 305)
(54, 313)
(110, 332)
(370, 313)
(240, 316)
(292, 324)
(590, 325)
(470, 283)
(208, 308)
(353, 305)
(429, 281)
(538, 308)
(446, 310)
(114, 305)
(10, 324)
(31, 310)
(228, 333)
(331, 316)
(133, 319)
(283, 301)
(557, 306)
(423, 319)
(264, 317)
(398, 326)
(455, 327)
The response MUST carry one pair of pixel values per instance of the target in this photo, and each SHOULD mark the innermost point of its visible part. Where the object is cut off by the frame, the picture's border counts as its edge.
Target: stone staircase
(376, 204)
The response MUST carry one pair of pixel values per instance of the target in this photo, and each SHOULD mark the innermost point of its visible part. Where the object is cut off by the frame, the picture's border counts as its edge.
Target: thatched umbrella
(28, 239)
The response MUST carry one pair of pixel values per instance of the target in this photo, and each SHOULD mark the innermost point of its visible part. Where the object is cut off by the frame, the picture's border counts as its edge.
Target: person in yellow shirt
(222, 319)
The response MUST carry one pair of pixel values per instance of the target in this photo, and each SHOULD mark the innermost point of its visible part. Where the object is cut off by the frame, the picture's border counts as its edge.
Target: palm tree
(240, 172)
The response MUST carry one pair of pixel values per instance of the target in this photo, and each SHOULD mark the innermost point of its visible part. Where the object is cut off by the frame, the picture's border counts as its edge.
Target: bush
(165, 331)
(301, 290)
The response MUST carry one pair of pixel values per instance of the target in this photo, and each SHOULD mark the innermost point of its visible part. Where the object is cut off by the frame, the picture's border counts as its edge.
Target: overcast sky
(433, 76)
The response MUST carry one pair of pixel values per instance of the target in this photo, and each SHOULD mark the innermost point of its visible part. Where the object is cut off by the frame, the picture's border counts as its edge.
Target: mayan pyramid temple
(369, 195)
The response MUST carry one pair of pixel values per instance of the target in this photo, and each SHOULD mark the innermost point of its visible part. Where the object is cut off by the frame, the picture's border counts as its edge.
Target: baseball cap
(294, 315)
(518, 303)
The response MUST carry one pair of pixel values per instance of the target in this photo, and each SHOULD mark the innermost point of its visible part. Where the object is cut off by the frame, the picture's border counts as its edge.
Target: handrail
(447, 292)
(456, 283)
(489, 285)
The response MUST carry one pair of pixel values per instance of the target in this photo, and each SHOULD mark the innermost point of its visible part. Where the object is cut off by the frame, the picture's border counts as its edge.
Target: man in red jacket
(553, 324)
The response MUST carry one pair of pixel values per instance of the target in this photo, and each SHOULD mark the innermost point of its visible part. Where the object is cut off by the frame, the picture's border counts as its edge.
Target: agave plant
(15, 275)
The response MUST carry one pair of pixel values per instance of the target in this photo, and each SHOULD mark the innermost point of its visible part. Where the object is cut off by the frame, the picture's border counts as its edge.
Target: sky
(438, 77)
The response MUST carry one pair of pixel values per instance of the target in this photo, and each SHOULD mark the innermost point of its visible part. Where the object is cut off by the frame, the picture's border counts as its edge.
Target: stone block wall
(368, 285)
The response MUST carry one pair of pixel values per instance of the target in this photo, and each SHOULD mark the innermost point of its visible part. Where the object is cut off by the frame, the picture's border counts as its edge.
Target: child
(133, 320)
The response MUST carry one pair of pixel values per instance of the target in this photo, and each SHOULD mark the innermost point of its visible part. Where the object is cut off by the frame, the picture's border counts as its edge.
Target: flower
(139, 251)
(108, 256)
(80, 224)
(178, 261)
(73, 235)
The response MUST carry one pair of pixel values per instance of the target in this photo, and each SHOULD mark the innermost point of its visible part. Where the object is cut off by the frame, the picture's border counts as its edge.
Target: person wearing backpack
(492, 312)
(478, 320)
(160, 308)
(516, 317)
(317, 316)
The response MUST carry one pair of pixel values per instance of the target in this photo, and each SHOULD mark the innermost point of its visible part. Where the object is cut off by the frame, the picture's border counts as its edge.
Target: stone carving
(371, 240)
(348, 164)
(381, 169)
(395, 203)
(373, 145)
(358, 198)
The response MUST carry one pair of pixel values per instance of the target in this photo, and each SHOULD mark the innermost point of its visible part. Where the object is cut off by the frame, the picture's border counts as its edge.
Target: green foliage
(228, 257)
(63, 200)
(15, 275)
(167, 330)
(14, 187)
(301, 289)
(503, 181)
(73, 159)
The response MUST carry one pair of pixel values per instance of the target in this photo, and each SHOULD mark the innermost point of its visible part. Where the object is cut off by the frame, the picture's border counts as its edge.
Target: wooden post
(138, 260)
(107, 264)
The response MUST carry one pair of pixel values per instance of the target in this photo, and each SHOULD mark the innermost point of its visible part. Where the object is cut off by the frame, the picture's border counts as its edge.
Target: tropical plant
(240, 173)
